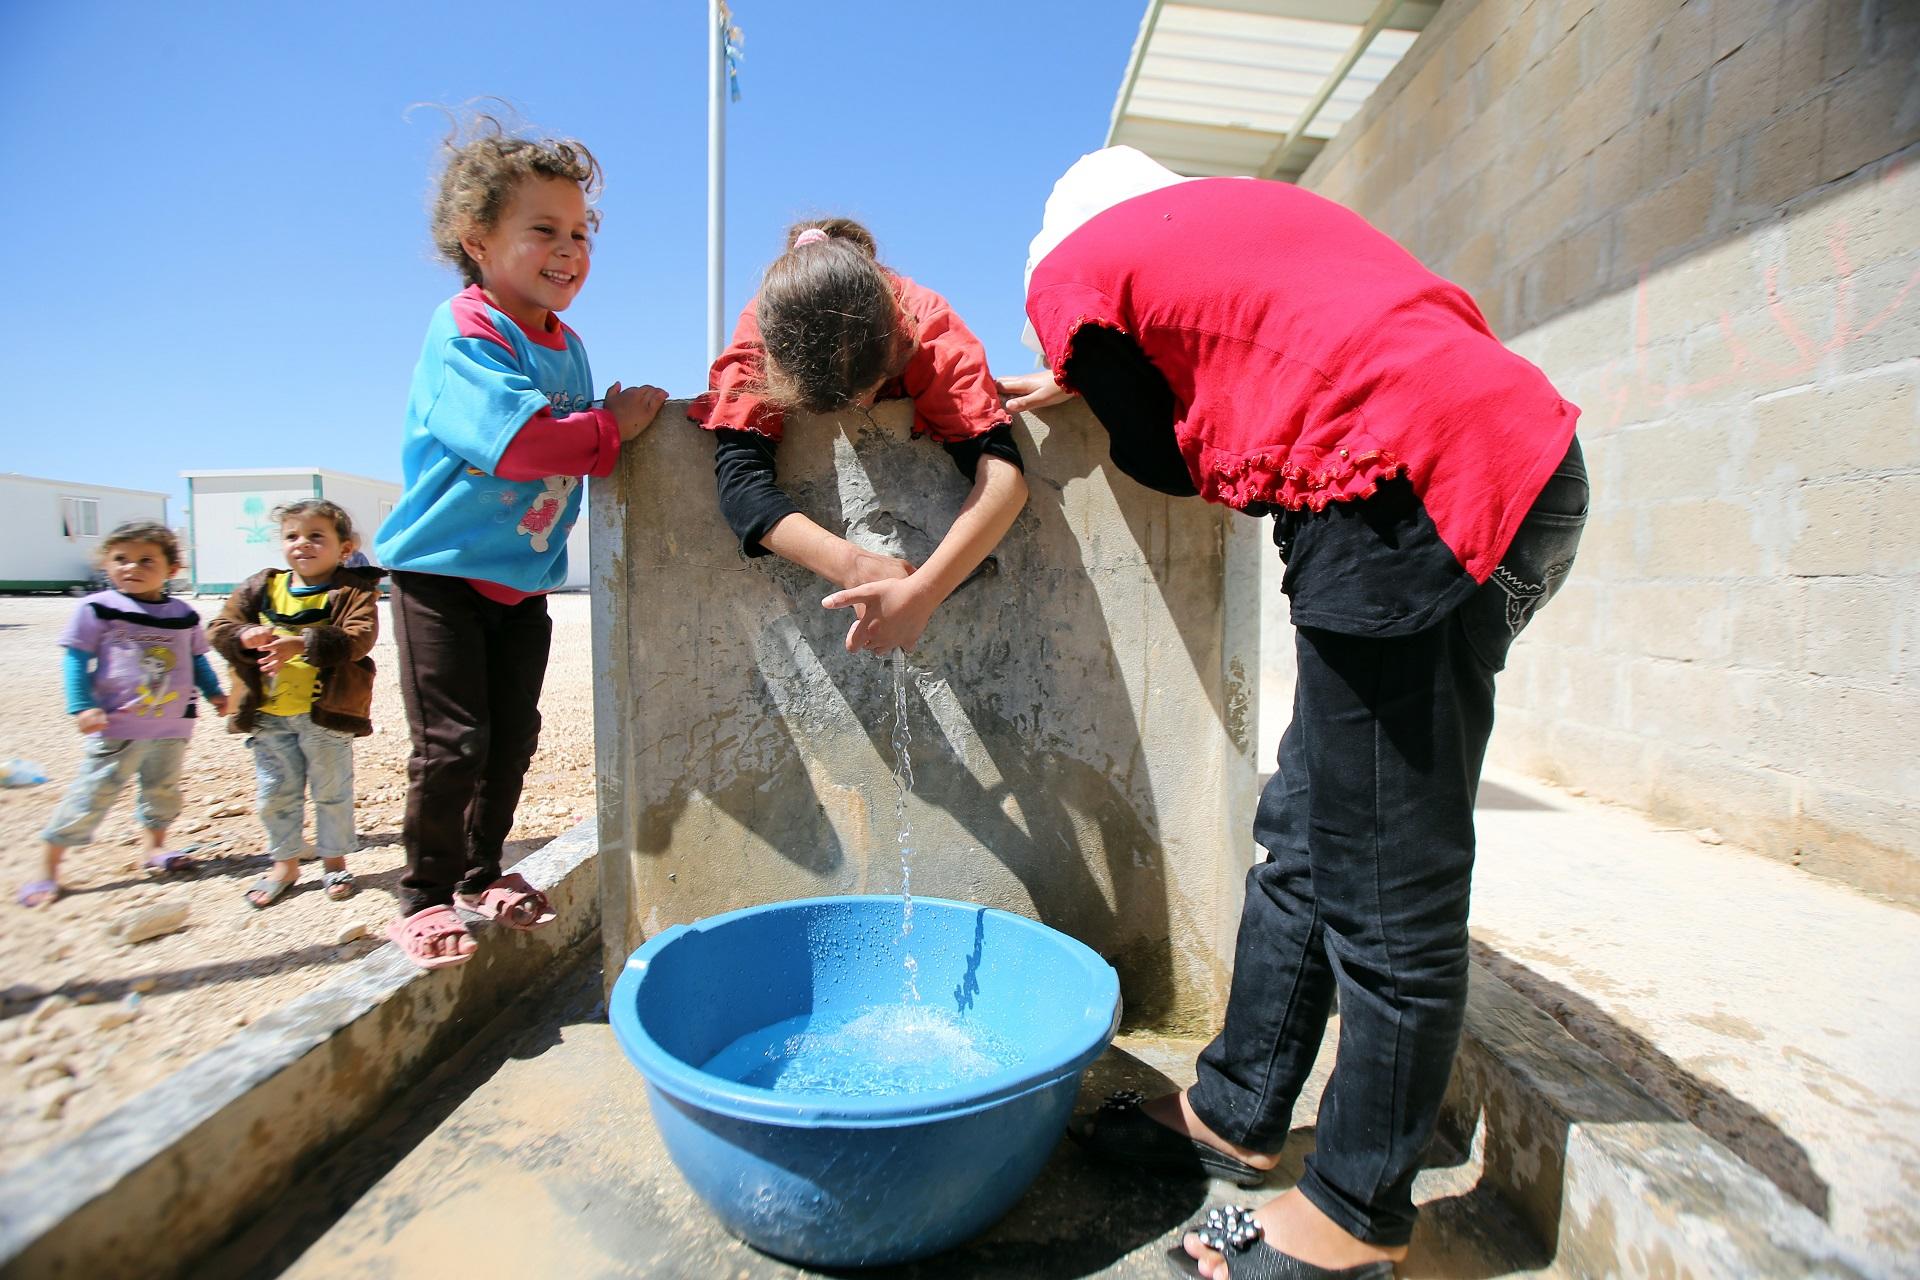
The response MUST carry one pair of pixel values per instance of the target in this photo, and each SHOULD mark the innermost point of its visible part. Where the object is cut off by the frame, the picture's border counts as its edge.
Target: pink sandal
(510, 901)
(419, 936)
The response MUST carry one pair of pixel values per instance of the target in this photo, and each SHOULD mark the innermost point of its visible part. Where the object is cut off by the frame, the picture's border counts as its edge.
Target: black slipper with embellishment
(1233, 1233)
(1121, 1132)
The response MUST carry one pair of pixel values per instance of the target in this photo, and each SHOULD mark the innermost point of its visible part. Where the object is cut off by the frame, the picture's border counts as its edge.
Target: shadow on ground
(22, 997)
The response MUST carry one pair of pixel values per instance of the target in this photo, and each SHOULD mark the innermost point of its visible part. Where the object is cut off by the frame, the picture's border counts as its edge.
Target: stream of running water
(903, 784)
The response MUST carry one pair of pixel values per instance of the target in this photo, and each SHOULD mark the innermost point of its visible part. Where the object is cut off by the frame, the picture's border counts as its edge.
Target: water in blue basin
(828, 1121)
(869, 1052)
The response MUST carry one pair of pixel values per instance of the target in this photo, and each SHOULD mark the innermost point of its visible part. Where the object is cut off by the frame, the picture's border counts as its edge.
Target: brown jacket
(337, 649)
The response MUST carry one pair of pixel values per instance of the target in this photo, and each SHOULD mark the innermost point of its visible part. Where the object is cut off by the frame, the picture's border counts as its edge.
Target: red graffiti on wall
(1631, 378)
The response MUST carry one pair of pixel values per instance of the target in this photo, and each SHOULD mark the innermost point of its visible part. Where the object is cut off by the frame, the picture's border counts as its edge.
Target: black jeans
(1368, 828)
(470, 675)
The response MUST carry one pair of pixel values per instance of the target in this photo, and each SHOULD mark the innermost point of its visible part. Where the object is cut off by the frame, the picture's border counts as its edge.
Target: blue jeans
(106, 764)
(1368, 828)
(292, 756)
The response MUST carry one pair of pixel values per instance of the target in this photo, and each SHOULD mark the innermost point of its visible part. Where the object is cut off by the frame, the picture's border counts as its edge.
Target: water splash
(875, 1050)
(902, 785)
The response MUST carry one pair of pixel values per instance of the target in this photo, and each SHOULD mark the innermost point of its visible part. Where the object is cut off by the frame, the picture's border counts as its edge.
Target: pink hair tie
(812, 235)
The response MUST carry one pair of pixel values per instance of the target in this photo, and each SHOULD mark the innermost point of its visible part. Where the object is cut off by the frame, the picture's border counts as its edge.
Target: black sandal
(1233, 1233)
(1120, 1131)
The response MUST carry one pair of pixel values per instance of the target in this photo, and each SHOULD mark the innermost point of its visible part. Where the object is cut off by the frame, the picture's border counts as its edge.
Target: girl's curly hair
(829, 318)
(484, 163)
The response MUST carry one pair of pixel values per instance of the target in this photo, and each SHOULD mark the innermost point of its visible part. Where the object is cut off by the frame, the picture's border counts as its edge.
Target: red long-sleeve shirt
(1310, 357)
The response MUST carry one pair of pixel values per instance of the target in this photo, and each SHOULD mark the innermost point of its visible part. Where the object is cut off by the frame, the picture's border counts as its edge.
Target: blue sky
(219, 210)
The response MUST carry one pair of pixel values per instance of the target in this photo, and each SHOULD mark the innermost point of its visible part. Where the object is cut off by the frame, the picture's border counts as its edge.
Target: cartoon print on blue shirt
(537, 523)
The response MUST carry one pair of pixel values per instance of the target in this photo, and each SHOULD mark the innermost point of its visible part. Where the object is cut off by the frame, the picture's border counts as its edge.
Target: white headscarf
(1097, 181)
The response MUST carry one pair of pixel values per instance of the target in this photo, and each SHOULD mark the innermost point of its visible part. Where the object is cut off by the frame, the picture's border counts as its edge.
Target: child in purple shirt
(135, 658)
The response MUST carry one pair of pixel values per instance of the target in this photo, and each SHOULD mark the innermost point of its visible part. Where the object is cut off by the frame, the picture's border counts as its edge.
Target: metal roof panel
(1221, 85)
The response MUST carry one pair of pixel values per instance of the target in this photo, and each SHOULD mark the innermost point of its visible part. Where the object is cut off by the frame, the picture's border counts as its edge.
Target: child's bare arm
(839, 561)
(891, 615)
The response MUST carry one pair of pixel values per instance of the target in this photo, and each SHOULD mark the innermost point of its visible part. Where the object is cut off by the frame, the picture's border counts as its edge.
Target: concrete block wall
(1698, 218)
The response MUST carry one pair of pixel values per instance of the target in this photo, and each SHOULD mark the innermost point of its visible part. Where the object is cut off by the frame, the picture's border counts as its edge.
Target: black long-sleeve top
(1369, 566)
(752, 500)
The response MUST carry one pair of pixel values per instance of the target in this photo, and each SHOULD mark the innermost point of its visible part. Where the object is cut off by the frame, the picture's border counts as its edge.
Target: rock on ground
(143, 925)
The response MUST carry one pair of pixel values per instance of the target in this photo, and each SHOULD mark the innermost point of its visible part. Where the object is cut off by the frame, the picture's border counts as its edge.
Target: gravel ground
(86, 1021)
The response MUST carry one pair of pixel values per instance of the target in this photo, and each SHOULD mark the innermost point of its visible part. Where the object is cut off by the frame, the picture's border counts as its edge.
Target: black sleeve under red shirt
(1367, 566)
(752, 500)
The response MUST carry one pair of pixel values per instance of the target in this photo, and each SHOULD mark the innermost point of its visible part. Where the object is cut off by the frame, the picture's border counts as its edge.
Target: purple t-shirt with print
(143, 662)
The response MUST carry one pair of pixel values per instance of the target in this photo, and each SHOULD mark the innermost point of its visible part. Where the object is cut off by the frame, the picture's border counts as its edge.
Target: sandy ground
(69, 1052)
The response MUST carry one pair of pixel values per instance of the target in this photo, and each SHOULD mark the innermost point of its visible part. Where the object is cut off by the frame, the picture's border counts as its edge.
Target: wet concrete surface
(533, 1155)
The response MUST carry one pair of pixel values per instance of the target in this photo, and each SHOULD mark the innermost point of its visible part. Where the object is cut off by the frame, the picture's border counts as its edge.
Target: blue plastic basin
(834, 1180)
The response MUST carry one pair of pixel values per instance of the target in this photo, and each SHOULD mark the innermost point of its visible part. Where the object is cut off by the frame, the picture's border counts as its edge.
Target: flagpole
(716, 175)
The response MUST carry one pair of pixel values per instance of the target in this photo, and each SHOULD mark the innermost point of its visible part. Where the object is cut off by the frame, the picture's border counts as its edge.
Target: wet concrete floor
(534, 1155)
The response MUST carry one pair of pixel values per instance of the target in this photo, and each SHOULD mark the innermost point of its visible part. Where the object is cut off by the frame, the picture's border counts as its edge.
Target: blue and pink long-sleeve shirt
(500, 428)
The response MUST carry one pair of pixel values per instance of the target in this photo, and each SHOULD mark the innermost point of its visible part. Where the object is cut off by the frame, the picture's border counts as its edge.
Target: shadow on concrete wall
(1046, 811)
(1736, 1125)
(1144, 515)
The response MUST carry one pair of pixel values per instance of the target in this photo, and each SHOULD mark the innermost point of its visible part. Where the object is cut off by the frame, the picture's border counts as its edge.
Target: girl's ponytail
(844, 229)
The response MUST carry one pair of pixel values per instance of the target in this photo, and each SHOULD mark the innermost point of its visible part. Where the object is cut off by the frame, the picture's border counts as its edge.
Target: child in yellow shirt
(298, 640)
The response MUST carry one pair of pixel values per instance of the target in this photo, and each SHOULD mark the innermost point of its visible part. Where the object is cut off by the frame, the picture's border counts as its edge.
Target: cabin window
(80, 517)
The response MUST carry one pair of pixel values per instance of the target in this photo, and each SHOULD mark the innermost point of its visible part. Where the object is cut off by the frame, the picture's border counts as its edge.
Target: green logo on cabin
(255, 510)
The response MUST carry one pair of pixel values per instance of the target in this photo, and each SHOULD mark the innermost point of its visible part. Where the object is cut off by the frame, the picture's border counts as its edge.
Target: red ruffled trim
(1059, 367)
(701, 408)
(1265, 478)
(949, 437)
(924, 430)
